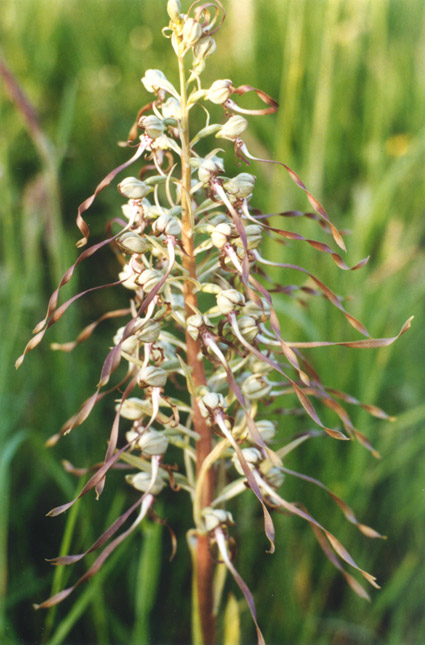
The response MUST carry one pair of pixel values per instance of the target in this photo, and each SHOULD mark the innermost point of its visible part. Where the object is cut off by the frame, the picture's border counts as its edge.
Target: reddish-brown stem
(204, 564)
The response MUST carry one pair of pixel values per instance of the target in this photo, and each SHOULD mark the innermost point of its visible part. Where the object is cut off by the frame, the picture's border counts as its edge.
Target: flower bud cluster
(199, 318)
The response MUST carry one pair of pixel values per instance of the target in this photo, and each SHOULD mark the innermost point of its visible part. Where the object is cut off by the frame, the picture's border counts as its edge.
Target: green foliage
(350, 81)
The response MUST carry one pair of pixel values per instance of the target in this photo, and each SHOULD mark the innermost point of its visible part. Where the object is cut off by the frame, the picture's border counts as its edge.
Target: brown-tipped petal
(372, 409)
(113, 437)
(345, 508)
(268, 522)
(370, 343)
(327, 292)
(92, 483)
(313, 201)
(54, 600)
(335, 543)
(81, 223)
(41, 327)
(88, 331)
(247, 279)
(353, 583)
(221, 543)
(319, 246)
(201, 13)
(101, 540)
(243, 89)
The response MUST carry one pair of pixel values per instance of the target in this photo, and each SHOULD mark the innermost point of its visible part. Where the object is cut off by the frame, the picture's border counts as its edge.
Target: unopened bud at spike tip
(204, 47)
(192, 32)
(174, 10)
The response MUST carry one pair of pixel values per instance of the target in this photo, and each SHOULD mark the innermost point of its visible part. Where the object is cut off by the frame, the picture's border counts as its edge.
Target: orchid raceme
(188, 242)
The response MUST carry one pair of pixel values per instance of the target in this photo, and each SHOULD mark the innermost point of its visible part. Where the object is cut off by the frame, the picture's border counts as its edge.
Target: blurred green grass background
(350, 79)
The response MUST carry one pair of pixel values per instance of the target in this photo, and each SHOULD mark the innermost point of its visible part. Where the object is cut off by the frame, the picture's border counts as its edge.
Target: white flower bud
(133, 188)
(252, 457)
(193, 324)
(132, 409)
(166, 224)
(192, 32)
(267, 429)
(141, 481)
(254, 236)
(204, 47)
(149, 332)
(221, 234)
(153, 126)
(233, 128)
(210, 402)
(215, 517)
(240, 429)
(155, 80)
(129, 344)
(260, 367)
(240, 186)
(133, 243)
(248, 328)
(148, 279)
(128, 277)
(152, 442)
(228, 300)
(220, 91)
(132, 435)
(256, 387)
(171, 109)
(152, 211)
(252, 309)
(274, 476)
(134, 210)
(209, 169)
(174, 10)
(161, 143)
(218, 218)
(152, 375)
